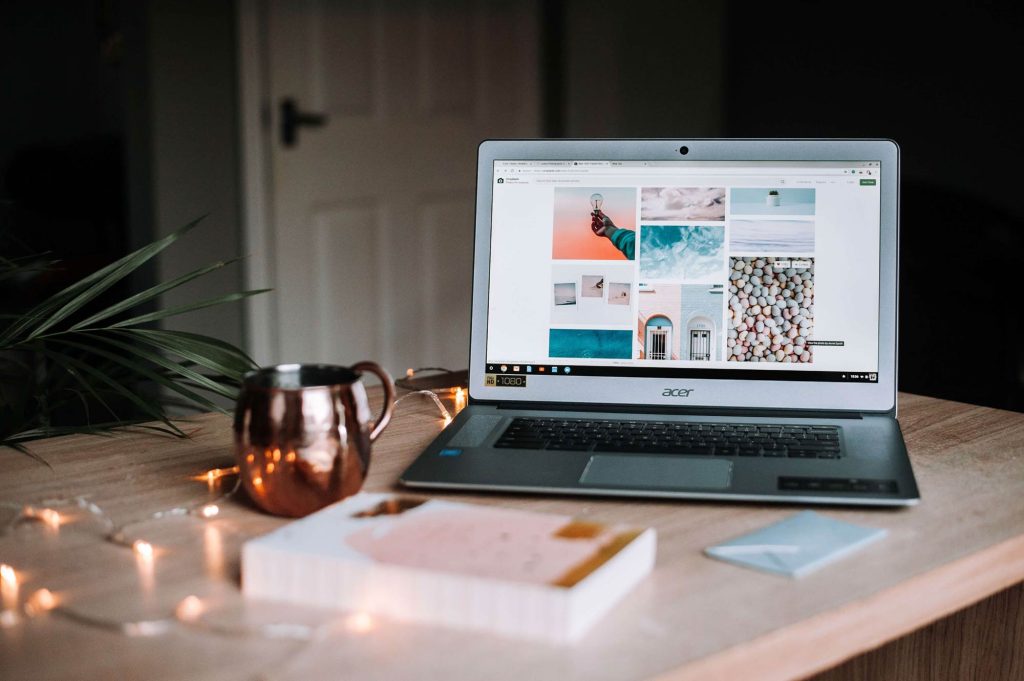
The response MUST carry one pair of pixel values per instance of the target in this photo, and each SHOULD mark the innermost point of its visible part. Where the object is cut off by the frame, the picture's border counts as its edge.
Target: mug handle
(389, 395)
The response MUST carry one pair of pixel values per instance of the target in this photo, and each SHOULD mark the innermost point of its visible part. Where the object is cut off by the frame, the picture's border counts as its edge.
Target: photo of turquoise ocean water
(766, 237)
(590, 343)
(684, 253)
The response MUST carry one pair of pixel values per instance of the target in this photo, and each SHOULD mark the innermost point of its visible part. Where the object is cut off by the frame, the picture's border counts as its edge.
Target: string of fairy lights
(189, 612)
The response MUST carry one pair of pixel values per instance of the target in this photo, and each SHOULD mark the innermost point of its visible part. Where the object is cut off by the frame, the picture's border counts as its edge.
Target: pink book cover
(439, 536)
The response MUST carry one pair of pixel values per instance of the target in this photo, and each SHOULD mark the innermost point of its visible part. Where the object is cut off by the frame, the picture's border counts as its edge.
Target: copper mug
(303, 434)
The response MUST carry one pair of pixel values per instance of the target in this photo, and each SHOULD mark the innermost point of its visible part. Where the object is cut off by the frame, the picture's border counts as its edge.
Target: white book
(517, 573)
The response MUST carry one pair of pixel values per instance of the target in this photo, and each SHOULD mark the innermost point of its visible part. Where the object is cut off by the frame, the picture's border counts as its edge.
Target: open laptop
(706, 318)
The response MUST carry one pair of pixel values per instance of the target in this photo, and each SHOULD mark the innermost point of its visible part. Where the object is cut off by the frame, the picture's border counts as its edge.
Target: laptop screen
(704, 269)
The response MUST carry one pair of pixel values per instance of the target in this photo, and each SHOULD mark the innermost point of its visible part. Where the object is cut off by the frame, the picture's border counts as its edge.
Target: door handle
(292, 118)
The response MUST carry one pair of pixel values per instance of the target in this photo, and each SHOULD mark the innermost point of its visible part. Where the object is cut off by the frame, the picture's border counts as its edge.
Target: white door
(700, 345)
(370, 216)
(659, 340)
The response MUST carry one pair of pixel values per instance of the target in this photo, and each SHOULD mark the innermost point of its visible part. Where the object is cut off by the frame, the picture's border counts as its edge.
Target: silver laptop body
(703, 318)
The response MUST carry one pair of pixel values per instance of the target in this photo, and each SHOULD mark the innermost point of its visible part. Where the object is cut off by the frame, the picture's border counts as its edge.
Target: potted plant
(773, 197)
(73, 364)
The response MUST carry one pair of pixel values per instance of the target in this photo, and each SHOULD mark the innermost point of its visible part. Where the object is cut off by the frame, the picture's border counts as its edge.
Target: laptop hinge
(676, 411)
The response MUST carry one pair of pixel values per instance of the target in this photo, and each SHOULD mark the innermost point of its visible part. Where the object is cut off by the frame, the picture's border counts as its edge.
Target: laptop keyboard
(660, 437)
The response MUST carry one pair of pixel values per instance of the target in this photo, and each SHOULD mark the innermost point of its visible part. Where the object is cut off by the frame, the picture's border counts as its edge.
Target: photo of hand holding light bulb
(602, 225)
(598, 232)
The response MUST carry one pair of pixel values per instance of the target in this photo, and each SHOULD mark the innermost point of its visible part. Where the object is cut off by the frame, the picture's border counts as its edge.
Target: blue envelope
(797, 545)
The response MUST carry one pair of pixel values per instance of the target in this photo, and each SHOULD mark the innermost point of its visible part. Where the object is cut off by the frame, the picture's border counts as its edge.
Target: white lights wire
(190, 611)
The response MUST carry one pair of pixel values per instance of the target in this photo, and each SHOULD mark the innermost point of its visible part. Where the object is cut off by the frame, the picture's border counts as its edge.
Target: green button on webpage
(867, 183)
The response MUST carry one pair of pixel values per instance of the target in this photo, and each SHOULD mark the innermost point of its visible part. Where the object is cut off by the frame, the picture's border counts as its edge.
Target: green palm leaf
(52, 365)
(179, 369)
(209, 353)
(149, 294)
(70, 300)
(143, 369)
(188, 307)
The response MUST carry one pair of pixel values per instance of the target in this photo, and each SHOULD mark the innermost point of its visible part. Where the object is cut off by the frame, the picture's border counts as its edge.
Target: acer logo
(676, 392)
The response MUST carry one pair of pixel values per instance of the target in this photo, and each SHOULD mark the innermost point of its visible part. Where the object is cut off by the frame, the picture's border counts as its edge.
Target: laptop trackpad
(656, 472)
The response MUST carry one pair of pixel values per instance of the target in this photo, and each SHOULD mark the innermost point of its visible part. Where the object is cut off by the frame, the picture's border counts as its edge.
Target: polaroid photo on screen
(593, 286)
(619, 293)
(589, 289)
(564, 293)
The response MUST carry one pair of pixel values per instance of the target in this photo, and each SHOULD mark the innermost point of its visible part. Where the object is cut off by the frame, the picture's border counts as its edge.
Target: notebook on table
(708, 319)
(518, 573)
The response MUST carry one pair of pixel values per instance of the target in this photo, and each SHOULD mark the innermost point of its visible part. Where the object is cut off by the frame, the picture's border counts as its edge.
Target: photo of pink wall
(573, 238)
(658, 323)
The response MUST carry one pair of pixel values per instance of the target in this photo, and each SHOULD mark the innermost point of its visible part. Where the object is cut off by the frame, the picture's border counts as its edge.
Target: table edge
(832, 637)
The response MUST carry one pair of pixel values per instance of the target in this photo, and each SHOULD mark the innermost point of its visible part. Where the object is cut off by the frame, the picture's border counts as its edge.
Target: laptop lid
(687, 273)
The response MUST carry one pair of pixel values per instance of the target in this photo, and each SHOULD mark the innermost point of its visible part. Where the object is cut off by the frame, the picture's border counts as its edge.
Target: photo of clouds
(772, 236)
(683, 253)
(682, 203)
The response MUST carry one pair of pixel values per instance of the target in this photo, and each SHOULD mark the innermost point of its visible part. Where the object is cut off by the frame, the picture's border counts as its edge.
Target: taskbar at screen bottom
(518, 368)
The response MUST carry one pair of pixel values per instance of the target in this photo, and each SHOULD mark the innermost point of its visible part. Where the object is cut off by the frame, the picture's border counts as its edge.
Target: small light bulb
(41, 601)
(209, 510)
(8, 576)
(215, 474)
(143, 549)
(8, 588)
(409, 373)
(50, 517)
(290, 456)
(270, 467)
(596, 201)
(189, 609)
(359, 623)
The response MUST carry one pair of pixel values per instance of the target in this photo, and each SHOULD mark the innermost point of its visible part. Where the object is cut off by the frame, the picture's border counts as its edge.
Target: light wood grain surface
(693, 618)
(984, 641)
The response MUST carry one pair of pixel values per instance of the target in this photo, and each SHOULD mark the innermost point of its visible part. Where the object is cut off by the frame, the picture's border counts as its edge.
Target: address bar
(680, 171)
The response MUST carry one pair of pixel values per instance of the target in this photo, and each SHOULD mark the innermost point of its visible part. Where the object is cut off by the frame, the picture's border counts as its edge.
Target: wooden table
(693, 618)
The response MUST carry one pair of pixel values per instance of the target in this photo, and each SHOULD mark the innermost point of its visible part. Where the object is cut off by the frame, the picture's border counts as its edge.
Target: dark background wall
(940, 82)
(118, 125)
(119, 122)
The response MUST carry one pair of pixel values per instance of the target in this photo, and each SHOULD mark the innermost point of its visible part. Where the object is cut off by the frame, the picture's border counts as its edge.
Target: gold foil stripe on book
(578, 573)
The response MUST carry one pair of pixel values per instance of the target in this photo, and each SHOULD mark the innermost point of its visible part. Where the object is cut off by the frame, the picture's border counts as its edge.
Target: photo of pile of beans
(771, 310)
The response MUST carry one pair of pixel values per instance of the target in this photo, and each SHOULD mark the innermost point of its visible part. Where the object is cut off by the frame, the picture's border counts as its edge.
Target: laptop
(682, 319)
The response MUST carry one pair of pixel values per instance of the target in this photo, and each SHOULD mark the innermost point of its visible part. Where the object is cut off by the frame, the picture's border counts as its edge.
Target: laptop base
(873, 470)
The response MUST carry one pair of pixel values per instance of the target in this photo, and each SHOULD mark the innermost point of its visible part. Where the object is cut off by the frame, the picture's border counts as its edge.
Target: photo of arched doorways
(680, 322)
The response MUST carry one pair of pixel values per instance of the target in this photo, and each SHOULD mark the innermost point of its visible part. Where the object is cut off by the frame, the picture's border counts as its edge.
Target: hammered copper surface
(301, 447)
